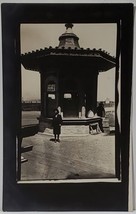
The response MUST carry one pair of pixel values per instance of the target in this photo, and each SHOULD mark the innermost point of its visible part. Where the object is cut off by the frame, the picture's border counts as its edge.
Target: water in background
(30, 117)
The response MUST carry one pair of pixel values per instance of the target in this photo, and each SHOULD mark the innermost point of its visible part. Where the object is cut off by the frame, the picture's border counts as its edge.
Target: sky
(36, 36)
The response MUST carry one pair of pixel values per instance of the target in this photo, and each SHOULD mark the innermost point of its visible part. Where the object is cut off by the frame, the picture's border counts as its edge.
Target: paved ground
(91, 156)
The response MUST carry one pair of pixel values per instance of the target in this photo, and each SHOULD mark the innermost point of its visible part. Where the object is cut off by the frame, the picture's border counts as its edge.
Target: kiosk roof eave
(101, 62)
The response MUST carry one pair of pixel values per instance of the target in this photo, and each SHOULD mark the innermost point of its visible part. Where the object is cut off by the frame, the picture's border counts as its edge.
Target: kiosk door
(70, 104)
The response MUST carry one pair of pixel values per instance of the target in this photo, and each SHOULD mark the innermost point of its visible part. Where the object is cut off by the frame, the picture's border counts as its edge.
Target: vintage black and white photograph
(68, 101)
(67, 76)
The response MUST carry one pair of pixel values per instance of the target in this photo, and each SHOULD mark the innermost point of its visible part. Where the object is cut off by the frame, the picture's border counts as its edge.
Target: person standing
(57, 121)
(101, 113)
(101, 110)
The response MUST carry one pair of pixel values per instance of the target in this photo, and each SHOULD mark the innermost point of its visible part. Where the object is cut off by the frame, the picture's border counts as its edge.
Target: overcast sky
(36, 36)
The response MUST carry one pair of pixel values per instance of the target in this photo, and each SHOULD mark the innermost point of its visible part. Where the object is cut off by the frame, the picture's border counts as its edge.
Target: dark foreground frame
(100, 196)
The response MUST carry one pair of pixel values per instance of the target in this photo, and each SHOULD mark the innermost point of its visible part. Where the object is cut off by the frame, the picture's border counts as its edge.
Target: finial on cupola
(68, 25)
(68, 39)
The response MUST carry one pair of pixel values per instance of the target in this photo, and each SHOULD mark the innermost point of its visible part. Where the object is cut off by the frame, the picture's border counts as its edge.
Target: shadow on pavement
(111, 133)
(90, 176)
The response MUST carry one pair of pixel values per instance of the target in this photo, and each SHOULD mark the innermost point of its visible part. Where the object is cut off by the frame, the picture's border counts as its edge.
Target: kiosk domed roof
(69, 39)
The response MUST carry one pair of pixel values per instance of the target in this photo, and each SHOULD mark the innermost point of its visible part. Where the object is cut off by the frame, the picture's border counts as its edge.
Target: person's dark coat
(57, 121)
(100, 111)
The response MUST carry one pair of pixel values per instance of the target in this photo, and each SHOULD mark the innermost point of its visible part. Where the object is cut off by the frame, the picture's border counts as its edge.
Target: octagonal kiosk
(68, 79)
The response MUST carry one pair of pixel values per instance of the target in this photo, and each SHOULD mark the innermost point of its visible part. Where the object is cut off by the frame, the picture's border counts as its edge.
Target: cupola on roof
(69, 39)
(66, 52)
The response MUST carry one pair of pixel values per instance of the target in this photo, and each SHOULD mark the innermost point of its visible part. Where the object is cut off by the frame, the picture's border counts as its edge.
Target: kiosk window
(51, 87)
(51, 96)
(68, 96)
